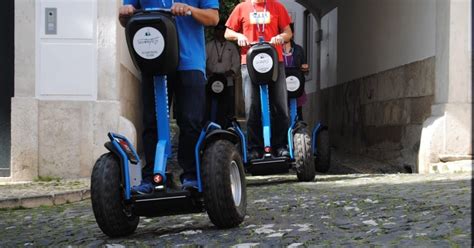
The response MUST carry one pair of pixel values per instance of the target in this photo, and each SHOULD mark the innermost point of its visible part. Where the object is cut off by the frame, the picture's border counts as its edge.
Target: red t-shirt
(243, 20)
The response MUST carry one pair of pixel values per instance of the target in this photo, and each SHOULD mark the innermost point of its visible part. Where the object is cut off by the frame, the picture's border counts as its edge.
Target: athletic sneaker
(282, 152)
(145, 187)
(254, 154)
(190, 183)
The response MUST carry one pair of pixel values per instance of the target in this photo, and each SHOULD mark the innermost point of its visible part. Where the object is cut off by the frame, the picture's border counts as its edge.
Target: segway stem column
(293, 116)
(314, 144)
(265, 103)
(163, 146)
(293, 111)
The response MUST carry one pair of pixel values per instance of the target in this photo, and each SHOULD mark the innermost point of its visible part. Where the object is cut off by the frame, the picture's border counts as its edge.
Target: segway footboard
(270, 166)
(171, 202)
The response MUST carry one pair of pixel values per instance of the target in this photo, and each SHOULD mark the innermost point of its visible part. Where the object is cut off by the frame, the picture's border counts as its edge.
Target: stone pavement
(336, 210)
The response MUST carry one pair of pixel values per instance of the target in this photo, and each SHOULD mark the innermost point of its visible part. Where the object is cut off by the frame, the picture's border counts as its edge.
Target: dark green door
(6, 82)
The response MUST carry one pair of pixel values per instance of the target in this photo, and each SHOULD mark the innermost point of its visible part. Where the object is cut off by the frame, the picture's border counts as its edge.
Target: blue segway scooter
(306, 148)
(153, 44)
(302, 151)
(262, 64)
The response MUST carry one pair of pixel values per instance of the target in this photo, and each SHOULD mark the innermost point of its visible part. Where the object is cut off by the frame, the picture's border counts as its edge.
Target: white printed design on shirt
(261, 17)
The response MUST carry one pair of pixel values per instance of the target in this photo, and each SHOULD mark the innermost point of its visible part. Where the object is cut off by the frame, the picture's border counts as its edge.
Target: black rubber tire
(322, 158)
(303, 156)
(218, 198)
(107, 198)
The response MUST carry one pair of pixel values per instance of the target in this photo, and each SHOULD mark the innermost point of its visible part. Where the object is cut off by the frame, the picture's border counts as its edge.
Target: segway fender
(299, 125)
(109, 146)
(316, 130)
(220, 134)
(121, 146)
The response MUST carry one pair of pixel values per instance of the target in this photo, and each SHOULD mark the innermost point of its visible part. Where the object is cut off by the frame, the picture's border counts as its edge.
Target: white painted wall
(377, 35)
(66, 62)
(296, 11)
(329, 49)
(313, 56)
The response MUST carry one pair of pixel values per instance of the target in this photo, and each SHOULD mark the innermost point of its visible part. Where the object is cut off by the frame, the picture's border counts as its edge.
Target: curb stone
(45, 200)
(10, 203)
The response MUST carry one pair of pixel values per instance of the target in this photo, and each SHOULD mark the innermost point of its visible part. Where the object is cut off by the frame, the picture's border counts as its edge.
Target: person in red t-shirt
(248, 21)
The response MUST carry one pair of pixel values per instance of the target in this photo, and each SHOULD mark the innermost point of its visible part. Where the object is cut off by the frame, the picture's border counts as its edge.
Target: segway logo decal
(292, 83)
(217, 87)
(149, 43)
(262, 63)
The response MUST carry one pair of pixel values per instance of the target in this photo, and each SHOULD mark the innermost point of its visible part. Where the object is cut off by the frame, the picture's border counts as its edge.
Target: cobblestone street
(343, 210)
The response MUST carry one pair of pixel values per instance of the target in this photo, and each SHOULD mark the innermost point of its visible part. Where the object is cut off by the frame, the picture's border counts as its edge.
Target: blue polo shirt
(192, 50)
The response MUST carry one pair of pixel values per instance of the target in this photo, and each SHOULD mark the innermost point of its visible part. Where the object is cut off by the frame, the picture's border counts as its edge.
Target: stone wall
(381, 115)
(63, 138)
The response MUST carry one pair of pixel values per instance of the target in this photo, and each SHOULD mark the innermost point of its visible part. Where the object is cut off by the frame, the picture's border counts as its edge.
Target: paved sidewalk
(40, 193)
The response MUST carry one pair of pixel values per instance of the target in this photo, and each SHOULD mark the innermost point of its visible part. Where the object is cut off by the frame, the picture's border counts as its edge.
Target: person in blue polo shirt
(189, 83)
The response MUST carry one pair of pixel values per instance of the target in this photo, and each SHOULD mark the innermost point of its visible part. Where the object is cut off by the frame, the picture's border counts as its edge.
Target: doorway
(7, 11)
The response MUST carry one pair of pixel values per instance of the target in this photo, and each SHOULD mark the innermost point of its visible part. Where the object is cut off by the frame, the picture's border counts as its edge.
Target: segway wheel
(107, 198)
(224, 186)
(302, 145)
(322, 159)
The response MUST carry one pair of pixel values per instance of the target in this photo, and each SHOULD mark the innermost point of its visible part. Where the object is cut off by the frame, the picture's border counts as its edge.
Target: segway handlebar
(260, 43)
(148, 10)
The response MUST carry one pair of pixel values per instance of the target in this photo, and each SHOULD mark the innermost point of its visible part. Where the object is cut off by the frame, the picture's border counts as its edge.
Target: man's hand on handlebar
(277, 40)
(181, 9)
(242, 40)
(125, 12)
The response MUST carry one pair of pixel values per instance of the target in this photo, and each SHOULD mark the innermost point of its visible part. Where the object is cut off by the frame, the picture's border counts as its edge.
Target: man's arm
(285, 36)
(287, 33)
(207, 17)
(283, 25)
(236, 36)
